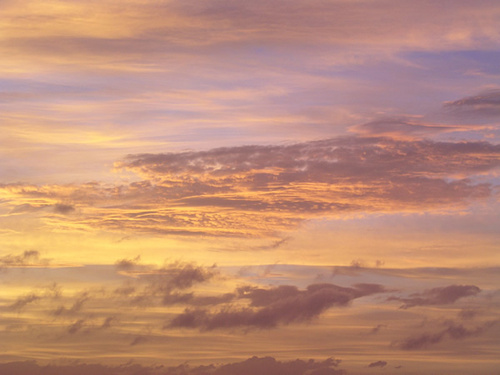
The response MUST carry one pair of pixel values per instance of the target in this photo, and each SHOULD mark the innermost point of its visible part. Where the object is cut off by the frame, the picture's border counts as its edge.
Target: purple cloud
(438, 296)
(272, 307)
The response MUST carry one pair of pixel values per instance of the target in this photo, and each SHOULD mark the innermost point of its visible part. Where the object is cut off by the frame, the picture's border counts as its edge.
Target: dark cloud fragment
(21, 302)
(438, 296)
(178, 276)
(486, 104)
(378, 364)
(128, 264)
(64, 209)
(77, 306)
(377, 329)
(76, 326)
(26, 259)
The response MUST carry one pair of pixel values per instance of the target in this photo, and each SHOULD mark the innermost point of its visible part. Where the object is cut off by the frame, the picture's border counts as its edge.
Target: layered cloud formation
(223, 187)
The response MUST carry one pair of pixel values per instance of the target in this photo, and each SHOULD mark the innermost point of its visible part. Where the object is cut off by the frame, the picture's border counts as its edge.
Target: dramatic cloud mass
(223, 187)
(284, 304)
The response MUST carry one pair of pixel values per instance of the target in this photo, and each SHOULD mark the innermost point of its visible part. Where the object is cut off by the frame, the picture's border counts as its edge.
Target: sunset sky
(279, 187)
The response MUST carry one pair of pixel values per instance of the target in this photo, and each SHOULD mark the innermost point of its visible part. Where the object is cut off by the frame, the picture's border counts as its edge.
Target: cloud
(76, 326)
(275, 306)
(486, 104)
(378, 364)
(377, 329)
(64, 209)
(29, 258)
(251, 366)
(401, 128)
(178, 276)
(166, 285)
(107, 322)
(453, 332)
(270, 366)
(75, 308)
(21, 302)
(138, 340)
(259, 190)
(438, 296)
(128, 264)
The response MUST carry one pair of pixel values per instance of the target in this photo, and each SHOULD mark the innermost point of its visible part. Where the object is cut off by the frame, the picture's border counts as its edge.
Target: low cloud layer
(251, 366)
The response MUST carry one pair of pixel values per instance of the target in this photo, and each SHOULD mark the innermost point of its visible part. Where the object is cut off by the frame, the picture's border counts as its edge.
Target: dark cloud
(166, 285)
(138, 340)
(453, 332)
(128, 264)
(438, 296)
(21, 302)
(269, 308)
(75, 308)
(251, 366)
(377, 329)
(378, 364)
(76, 326)
(64, 209)
(485, 104)
(28, 258)
(178, 276)
(107, 322)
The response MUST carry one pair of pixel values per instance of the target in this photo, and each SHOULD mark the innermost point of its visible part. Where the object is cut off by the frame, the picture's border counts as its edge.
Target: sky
(286, 187)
